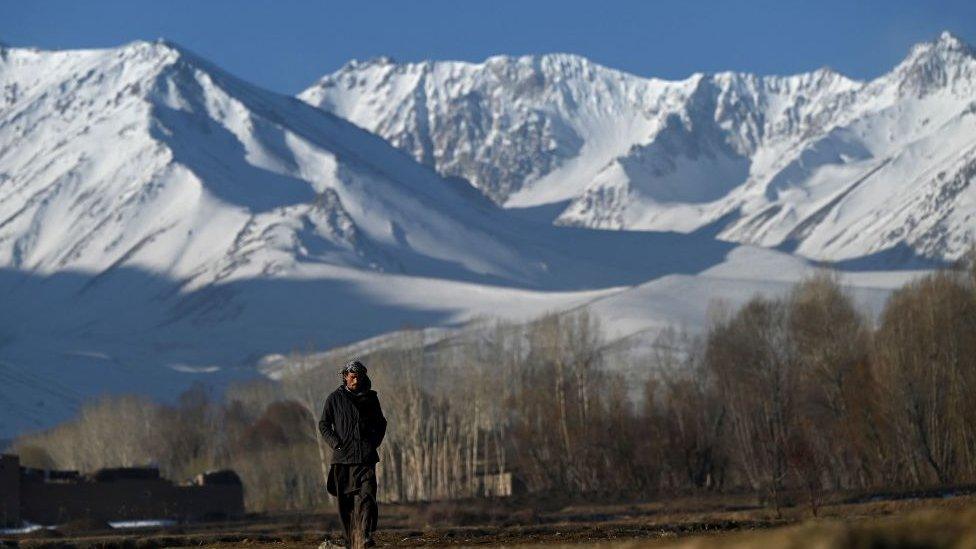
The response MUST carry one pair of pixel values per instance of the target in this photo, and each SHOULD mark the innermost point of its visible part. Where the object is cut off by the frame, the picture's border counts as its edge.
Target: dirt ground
(902, 520)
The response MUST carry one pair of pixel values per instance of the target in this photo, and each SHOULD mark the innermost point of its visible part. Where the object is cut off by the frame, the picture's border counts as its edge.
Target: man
(353, 425)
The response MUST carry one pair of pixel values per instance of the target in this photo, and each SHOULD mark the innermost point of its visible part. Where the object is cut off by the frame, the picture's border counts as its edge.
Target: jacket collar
(354, 396)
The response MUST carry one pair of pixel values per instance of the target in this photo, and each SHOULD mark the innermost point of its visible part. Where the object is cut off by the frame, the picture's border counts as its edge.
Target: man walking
(353, 425)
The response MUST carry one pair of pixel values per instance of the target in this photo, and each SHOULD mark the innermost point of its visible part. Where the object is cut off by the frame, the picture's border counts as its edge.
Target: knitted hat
(353, 366)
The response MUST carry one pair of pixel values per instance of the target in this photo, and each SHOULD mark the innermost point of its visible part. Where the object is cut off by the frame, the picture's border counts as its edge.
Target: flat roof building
(54, 497)
(9, 490)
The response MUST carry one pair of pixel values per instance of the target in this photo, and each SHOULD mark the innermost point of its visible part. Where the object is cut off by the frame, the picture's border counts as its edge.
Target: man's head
(353, 374)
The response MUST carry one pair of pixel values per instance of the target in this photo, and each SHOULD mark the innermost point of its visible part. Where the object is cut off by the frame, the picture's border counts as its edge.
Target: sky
(285, 45)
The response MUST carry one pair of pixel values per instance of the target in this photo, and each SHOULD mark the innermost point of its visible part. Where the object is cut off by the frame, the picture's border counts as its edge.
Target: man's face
(352, 380)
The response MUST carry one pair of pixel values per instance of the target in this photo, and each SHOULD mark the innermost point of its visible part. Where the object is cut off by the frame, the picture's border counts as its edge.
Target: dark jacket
(353, 425)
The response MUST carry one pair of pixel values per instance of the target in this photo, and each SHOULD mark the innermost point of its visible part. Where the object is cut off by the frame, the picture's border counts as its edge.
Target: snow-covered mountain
(833, 168)
(149, 157)
(162, 220)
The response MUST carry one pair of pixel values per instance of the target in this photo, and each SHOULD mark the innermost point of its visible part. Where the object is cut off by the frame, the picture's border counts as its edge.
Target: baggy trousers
(352, 484)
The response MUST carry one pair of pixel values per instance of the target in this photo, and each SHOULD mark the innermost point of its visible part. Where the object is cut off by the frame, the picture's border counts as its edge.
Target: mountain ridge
(628, 152)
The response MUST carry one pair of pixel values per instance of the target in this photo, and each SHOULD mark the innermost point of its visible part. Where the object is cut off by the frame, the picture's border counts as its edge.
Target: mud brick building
(53, 497)
(9, 490)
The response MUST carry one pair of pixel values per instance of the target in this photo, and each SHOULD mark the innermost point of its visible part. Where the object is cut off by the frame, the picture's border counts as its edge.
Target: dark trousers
(354, 485)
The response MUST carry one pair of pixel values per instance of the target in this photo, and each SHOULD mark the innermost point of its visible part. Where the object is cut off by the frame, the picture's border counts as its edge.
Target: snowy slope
(633, 318)
(149, 157)
(833, 168)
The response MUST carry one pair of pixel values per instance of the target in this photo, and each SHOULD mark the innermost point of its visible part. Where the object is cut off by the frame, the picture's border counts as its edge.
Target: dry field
(715, 522)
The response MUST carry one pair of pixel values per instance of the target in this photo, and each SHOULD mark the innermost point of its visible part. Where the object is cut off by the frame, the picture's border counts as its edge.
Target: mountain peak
(941, 63)
(950, 42)
(162, 49)
(947, 47)
(355, 64)
(555, 63)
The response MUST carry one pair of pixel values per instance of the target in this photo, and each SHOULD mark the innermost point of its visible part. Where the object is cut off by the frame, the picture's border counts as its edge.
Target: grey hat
(354, 366)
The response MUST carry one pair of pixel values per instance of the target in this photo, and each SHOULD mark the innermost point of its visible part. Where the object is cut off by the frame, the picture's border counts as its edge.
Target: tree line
(797, 394)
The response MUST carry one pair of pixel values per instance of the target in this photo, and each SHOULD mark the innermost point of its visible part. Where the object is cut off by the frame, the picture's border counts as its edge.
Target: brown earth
(891, 520)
